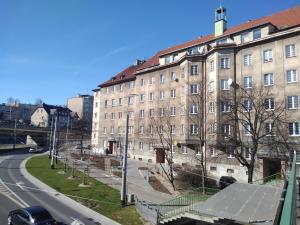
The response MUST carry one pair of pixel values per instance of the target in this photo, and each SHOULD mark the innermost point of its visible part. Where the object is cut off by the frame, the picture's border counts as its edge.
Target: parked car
(226, 181)
(35, 149)
(35, 215)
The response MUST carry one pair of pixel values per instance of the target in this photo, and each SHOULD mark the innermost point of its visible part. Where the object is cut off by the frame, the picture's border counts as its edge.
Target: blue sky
(55, 49)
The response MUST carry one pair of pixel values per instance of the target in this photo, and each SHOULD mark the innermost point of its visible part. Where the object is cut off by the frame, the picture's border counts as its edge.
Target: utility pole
(54, 140)
(50, 139)
(15, 134)
(124, 169)
(67, 129)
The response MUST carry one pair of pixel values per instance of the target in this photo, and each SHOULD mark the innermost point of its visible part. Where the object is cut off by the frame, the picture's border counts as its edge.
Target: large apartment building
(186, 83)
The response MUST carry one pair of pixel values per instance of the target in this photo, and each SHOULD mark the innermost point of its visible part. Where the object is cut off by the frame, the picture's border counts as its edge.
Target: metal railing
(182, 203)
(288, 214)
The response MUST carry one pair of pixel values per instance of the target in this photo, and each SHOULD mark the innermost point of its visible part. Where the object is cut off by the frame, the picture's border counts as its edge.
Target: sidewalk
(136, 182)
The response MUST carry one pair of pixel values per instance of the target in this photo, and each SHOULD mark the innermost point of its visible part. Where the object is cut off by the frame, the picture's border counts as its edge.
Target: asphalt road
(18, 196)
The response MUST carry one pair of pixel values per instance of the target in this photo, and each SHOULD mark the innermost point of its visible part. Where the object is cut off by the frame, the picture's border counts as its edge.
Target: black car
(226, 181)
(34, 215)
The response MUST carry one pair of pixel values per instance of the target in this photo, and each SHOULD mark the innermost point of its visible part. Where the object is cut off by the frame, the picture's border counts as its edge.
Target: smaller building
(20, 112)
(83, 106)
(42, 116)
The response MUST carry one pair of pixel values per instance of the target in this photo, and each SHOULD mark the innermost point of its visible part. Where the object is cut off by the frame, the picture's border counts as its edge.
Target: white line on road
(19, 184)
(21, 202)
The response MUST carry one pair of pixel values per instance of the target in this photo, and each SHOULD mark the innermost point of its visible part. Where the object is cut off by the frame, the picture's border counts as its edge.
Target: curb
(66, 200)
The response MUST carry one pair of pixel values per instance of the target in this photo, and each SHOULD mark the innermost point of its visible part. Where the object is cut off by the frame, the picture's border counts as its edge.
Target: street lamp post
(124, 168)
(54, 113)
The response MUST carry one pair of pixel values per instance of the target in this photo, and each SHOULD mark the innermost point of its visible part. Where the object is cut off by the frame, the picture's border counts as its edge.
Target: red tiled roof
(281, 20)
(126, 74)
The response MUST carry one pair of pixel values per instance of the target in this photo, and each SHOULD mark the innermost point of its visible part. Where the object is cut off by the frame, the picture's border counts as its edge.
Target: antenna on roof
(220, 3)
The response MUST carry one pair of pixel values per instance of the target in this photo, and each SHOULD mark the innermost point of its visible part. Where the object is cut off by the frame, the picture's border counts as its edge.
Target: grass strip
(99, 197)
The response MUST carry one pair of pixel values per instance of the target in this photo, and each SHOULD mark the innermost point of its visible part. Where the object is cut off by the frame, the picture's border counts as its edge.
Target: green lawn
(100, 197)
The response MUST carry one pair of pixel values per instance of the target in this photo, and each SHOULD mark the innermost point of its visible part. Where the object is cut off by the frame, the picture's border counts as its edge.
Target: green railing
(183, 203)
(288, 214)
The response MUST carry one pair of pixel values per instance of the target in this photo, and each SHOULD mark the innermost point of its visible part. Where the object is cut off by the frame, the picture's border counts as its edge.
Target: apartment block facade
(186, 84)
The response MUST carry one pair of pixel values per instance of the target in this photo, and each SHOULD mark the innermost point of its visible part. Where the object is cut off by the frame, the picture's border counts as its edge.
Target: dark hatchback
(226, 181)
(34, 215)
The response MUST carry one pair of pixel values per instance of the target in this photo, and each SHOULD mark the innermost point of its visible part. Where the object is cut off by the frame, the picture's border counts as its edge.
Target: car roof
(34, 209)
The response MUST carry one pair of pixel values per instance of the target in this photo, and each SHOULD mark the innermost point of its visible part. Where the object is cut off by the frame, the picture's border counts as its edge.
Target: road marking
(19, 184)
(20, 202)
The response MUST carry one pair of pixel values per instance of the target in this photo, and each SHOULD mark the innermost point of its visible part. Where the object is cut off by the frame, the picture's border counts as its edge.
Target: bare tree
(252, 123)
(162, 135)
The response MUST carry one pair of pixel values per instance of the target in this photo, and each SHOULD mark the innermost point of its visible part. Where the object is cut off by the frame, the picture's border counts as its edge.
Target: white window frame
(293, 102)
(224, 85)
(161, 95)
(270, 103)
(194, 70)
(248, 60)
(173, 93)
(291, 76)
(194, 109)
(142, 113)
(268, 55)
(225, 107)
(173, 76)
(248, 82)
(225, 63)
(268, 79)
(161, 78)
(194, 89)
(173, 111)
(294, 127)
(290, 51)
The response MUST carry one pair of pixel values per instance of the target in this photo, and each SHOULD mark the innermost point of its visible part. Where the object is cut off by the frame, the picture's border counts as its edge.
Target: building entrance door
(110, 147)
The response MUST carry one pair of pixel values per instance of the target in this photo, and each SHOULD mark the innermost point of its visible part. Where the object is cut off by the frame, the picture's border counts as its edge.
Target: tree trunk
(250, 174)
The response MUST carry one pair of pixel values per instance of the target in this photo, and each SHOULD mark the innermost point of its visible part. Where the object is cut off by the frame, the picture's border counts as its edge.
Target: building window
(120, 101)
(247, 129)
(172, 129)
(212, 128)
(130, 129)
(151, 148)
(96, 105)
(269, 128)
(290, 51)
(112, 116)
(224, 85)
(105, 103)
(141, 131)
(244, 37)
(173, 111)
(193, 129)
(256, 34)
(213, 168)
(130, 100)
(247, 105)
(141, 146)
(268, 79)
(211, 107)
(269, 104)
(151, 112)
(212, 65)
(161, 112)
(248, 60)
(211, 86)
(121, 87)
(151, 96)
(294, 129)
(142, 98)
(293, 102)
(96, 115)
(151, 129)
(182, 129)
(225, 106)
(161, 78)
(230, 170)
(152, 80)
(161, 95)
(173, 93)
(212, 152)
(113, 102)
(119, 130)
(104, 130)
(111, 130)
(161, 129)
(291, 76)
(105, 116)
(183, 149)
(194, 109)
(173, 76)
(230, 153)
(130, 114)
(113, 88)
(142, 113)
(248, 82)
(225, 63)
(268, 55)
(248, 153)
(194, 88)
(226, 129)
(142, 82)
(194, 70)
(131, 84)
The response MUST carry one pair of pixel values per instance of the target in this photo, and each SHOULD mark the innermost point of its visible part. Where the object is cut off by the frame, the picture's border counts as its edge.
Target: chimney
(220, 21)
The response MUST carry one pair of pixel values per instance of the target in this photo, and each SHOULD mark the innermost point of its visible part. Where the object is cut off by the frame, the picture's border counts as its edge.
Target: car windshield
(40, 216)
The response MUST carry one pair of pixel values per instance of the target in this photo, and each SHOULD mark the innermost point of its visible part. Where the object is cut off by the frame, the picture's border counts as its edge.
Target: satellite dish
(230, 81)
